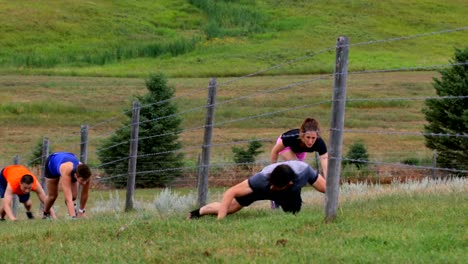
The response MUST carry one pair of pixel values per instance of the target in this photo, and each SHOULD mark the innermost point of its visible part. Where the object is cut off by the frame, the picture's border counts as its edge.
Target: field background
(68, 63)
(92, 57)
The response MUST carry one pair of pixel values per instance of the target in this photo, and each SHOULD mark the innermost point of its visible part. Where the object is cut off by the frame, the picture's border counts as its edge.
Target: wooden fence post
(132, 161)
(14, 206)
(83, 157)
(205, 159)
(336, 128)
(317, 163)
(45, 154)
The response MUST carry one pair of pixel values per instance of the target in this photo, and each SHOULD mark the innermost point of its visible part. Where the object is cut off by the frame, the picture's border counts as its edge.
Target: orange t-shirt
(13, 175)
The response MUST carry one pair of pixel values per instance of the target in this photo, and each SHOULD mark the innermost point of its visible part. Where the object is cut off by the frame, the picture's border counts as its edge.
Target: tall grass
(232, 18)
(102, 55)
(409, 223)
(221, 38)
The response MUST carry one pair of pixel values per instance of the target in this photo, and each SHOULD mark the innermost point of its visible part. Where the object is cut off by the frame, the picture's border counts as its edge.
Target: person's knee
(52, 196)
(27, 206)
(234, 207)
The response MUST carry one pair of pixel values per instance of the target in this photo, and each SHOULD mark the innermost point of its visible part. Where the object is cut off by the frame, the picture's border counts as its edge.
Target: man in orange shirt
(17, 179)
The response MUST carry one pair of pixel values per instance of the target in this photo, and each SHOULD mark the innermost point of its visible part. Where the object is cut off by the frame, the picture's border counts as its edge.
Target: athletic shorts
(289, 200)
(3, 185)
(47, 173)
(300, 156)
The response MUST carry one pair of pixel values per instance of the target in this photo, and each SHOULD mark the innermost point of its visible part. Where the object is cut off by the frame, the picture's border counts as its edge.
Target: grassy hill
(201, 38)
(417, 227)
(205, 38)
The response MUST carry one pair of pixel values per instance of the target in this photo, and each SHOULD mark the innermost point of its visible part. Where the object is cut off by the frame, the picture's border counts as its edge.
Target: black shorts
(289, 200)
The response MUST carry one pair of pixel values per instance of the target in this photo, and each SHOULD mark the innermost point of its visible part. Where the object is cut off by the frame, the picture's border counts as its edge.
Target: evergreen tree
(357, 155)
(247, 156)
(36, 156)
(450, 116)
(158, 158)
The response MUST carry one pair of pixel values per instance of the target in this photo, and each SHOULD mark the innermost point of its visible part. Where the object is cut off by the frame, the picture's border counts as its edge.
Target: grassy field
(64, 64)
(55, 107)
(193, 40)
(406, 223)
(204, 38)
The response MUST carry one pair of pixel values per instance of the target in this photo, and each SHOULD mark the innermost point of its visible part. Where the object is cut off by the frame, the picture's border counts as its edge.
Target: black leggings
(289, 200)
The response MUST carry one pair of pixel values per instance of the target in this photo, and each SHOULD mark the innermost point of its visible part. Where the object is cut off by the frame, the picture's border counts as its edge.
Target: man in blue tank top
(281, 182)
(66, 166)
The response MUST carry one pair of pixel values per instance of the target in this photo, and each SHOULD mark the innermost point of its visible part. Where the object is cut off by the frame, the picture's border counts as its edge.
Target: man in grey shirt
(281, 182)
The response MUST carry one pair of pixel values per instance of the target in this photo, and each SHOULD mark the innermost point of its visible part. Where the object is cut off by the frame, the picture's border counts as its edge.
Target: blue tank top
(58, 158)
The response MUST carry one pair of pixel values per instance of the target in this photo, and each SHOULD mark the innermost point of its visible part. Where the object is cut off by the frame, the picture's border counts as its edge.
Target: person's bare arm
(320, 184)
(324, 164)
(275, 150)
(7, 200)
(238, 190)
(65, 174)
(84, 197)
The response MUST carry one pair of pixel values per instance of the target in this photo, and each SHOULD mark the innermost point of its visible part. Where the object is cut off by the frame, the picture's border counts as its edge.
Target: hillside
(192, 40)
(202, 38)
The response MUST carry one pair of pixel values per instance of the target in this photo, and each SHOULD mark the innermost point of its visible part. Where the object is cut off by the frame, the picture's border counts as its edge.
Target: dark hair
(282, 175)
(310, 124)
(83, 171)
(27, 178)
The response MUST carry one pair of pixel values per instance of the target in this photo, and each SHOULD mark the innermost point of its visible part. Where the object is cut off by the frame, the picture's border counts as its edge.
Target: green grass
(42, 41)
(221, 38)
(425, 226)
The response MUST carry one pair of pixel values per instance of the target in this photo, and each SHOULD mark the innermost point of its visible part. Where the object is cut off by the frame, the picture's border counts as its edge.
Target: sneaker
(194, 214)
(274, 205)
(29, 215)
(46, 215)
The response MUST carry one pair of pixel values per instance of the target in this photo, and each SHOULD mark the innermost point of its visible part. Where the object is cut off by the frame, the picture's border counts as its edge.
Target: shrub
(357, 155)
(246, 156)
(36, 156)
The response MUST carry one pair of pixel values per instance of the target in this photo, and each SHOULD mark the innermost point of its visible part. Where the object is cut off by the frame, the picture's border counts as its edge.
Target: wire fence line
(222, 164)
(328, 76)
(262, 93)
(401, 165)
(276, 112)
(330, 49)
(403, 133)
(272, 113)
(439, 32)
(312, 54)
(292, 109)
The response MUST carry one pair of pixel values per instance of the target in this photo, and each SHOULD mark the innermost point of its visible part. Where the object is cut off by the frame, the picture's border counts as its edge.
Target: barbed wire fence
(311, 97)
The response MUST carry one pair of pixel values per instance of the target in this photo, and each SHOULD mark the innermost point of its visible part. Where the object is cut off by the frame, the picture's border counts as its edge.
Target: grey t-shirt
(304, 174)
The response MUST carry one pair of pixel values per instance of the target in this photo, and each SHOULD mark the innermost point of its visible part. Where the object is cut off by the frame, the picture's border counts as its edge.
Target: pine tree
(247, 156)
(36, 156)
(357, 155)
(158, 157)
(450, 115)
